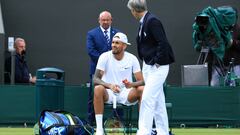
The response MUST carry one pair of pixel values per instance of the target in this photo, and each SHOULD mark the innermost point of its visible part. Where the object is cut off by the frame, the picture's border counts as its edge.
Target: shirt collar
(106, 29)
(141, 20)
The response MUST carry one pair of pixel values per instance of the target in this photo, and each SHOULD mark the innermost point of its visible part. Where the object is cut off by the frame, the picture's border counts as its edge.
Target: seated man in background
(112, 69)
(22, 74)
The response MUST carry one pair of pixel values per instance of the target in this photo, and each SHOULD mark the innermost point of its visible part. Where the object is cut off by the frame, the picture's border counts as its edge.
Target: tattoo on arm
(97, 79)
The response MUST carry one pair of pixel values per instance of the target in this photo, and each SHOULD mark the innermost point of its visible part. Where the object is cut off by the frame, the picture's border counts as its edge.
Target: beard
(116, 51)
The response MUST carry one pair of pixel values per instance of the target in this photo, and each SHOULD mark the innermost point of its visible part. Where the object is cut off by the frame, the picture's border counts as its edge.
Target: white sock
(99, 119)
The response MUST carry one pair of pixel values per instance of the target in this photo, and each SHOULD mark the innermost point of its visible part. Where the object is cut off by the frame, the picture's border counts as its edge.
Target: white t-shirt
(116, 71)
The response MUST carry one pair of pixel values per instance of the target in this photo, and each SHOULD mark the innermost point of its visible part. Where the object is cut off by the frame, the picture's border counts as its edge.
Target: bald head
(104, 14)
(105, 19)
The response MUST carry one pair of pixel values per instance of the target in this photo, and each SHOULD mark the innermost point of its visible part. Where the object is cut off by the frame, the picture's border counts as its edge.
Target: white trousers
(153, 101)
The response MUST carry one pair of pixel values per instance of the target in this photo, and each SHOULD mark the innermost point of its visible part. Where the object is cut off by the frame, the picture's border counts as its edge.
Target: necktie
(107, 37)
(140, 29)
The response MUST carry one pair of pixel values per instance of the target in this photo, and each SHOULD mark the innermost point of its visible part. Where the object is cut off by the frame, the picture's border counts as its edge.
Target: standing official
(99, 41)
(156, 53)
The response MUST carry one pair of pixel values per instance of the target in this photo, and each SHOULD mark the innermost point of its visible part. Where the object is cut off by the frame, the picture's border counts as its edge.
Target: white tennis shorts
(122, 97)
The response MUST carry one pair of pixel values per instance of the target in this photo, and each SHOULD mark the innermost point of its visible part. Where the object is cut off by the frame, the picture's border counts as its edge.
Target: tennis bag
(63, 123)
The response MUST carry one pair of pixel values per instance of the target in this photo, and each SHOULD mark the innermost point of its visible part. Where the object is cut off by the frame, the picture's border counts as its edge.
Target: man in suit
(156, 53)
(99, 41)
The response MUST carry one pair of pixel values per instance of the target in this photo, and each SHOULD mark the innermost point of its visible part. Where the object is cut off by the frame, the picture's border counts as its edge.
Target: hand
(115, 88)
(32, 79)
(127, 83)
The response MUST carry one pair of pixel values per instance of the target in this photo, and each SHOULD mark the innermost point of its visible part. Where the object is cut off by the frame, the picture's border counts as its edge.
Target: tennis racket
(114, 125)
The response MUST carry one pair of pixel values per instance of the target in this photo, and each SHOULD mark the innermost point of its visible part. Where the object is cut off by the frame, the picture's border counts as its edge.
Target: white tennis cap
(121, 37)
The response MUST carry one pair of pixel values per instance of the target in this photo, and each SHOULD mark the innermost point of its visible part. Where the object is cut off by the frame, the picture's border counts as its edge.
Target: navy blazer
(21, 69)
(153, 46)
(97, 44)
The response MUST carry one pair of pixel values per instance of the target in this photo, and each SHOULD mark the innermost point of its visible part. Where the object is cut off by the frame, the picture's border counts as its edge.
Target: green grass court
(176, 131)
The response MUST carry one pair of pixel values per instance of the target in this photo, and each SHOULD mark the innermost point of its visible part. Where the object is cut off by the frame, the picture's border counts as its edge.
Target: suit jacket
(97, 44)
(153, 46)
(21, 69)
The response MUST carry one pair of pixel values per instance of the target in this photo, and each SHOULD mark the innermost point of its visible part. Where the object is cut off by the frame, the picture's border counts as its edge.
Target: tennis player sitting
(113, 77)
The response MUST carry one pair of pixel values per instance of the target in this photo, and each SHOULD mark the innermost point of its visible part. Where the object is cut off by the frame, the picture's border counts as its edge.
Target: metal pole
(13, 53)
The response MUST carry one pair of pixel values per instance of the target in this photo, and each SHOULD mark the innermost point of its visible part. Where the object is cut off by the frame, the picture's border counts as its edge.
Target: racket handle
(114, 101)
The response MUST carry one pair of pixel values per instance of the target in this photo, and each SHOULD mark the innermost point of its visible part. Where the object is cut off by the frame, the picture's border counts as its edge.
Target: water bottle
(231, 76)
(227, 79)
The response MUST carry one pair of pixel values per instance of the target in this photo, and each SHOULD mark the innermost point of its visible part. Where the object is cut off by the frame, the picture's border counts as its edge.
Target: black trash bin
(49, 89)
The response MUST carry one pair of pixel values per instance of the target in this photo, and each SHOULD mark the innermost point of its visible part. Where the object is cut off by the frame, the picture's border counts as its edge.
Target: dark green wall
(193, 106)
(55, 30)
(205, 105)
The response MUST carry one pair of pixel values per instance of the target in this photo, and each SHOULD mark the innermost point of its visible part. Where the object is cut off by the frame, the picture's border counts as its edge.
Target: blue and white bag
(63, 123)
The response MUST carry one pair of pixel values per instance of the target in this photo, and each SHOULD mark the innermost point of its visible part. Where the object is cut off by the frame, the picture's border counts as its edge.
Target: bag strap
(70, 116)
